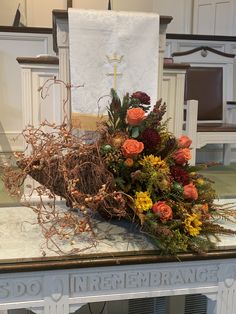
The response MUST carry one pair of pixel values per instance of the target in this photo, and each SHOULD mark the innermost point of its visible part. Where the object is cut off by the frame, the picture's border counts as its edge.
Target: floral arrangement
(173, 202)
(134, 169)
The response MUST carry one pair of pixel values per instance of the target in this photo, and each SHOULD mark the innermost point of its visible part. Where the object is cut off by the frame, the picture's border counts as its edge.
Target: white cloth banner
(111, 49)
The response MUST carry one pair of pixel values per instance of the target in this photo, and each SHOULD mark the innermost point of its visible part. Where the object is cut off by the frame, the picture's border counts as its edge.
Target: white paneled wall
(214, 17)
(211, 17)
(13, 45)
(181, 10)
(122, 5)
(8, 11)
(39, 13)
(33, 12)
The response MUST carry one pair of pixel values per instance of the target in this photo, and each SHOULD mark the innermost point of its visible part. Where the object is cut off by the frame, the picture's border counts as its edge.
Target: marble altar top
(22, 239)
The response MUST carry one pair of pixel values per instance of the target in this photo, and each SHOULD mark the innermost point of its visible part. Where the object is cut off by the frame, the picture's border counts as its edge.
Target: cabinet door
(180, 10)
(224, 17)
(213, 17)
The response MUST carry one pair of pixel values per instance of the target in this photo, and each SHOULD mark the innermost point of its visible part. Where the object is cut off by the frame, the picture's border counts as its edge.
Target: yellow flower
(200, 181)
(192, 224)
(143, 201)
(156, 162)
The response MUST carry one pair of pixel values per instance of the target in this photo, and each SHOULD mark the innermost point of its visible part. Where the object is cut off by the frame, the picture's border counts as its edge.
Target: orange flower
(135, 116)
(184, 141)
(162, 210)
(129, 162)
(182, 155)
(190, 191)
(131, 148)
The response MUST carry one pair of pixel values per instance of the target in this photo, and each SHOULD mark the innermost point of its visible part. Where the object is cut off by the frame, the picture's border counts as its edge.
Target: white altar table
(123, 265)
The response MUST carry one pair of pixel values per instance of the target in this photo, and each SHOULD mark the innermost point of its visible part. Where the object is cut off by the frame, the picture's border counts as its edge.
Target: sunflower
(192, 224)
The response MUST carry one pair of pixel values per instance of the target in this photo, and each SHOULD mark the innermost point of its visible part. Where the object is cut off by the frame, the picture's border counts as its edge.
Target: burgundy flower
(143, 97)
(180, 175)
(151, 139)
(169, 147)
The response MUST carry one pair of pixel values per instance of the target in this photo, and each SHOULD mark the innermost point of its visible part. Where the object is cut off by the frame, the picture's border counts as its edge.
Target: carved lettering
(19, 289)
(155, 278)
(143, 279)
(94, 283)
(201, 275)
(189, 275)
(106, 282)
(34, 288)
(16, 288)
(165, 278)
(117, 281)
(132, 280)
(177, 278)
(137, 280)
(80, 283)
(4, 290)
(212, 273)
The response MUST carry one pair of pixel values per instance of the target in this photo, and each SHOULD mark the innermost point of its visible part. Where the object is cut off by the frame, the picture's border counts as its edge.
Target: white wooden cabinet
(173, 94)
(214, 17)
(181, 10)
(14, 43)
(35, 72)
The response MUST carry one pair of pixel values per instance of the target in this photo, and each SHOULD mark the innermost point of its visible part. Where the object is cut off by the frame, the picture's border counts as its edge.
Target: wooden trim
(231, 102)
(203, 48)
(200, 37)
(165, 19)
(38, 60)
(63, 14)
(36, 30)
(101, 260)
(69, 4)
(176, 66)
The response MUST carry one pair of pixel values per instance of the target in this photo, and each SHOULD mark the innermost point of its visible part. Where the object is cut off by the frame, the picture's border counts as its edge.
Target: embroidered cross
(114, 59)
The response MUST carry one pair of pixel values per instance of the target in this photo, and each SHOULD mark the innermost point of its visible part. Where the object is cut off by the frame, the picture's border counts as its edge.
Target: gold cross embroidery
(114, 59)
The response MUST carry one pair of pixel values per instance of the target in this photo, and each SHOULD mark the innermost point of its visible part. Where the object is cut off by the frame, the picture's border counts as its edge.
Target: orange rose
(182, 155)
(131, 148)
(184, 141)
(204, 211)
(135, 116)
(190, 191)
(162, 210)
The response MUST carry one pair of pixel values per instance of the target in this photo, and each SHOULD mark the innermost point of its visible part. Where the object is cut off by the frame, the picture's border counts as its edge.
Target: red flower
(143, 97)
(151, 138)
(180, 175)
